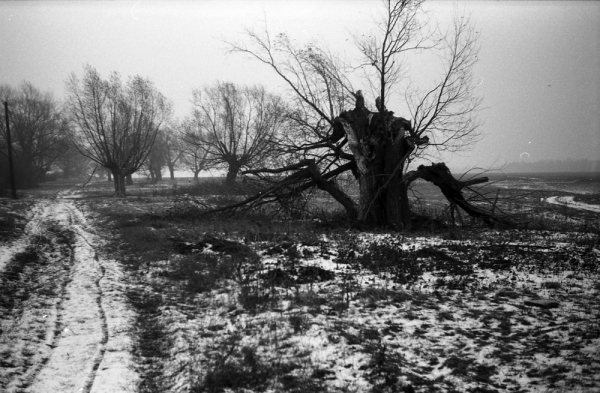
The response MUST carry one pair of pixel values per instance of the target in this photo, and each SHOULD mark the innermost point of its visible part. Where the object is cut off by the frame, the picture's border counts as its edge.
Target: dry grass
(255, 303)
(269, 282)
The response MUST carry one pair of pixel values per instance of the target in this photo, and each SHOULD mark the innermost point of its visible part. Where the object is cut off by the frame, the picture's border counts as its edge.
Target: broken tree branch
(440, 175)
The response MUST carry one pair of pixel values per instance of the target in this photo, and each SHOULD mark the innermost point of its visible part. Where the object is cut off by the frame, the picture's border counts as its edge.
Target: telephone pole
(11, 168)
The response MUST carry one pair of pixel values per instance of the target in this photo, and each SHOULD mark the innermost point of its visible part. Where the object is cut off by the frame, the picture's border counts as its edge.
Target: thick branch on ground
(440, 175)
(333, 190)
(299, 188)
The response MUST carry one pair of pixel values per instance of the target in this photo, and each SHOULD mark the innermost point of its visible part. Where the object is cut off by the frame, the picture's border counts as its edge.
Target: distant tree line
(40, 135)
(116, 128)
(568, 165)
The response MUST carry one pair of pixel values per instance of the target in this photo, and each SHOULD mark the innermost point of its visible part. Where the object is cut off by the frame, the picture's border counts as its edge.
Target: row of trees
(127, 127)
(324, 128)
(116, 124)
(39, 135)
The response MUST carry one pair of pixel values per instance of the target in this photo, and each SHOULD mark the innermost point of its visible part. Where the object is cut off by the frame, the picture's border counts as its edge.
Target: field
(144, 294)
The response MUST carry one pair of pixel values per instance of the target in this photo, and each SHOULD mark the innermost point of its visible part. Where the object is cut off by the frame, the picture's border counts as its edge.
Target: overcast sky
(538, 69)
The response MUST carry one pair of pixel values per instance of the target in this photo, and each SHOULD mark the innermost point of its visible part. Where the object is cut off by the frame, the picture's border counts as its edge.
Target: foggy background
(538, 69)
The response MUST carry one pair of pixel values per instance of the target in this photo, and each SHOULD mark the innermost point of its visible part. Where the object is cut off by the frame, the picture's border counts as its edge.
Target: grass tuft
(13, 288)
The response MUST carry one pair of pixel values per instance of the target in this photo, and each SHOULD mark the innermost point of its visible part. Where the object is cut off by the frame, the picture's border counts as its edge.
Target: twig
(90, 178)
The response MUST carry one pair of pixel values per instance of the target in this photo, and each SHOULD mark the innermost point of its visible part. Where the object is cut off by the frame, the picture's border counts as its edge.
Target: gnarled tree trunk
(380, 144)
(119, 182)
(171, 171)
(121, 178)
(232, 172)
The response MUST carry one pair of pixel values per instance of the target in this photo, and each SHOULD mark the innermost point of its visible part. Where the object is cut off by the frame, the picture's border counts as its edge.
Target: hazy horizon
(543, 166)
(555, 166)
(538, 69)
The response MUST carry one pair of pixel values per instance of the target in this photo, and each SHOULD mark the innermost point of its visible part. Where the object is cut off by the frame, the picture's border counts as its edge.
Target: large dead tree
(368, 139)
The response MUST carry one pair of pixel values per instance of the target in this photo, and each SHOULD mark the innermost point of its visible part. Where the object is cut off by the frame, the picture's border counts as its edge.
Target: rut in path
(58, 334)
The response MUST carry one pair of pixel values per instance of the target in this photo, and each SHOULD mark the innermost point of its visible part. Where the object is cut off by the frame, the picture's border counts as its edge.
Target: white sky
(539, 63)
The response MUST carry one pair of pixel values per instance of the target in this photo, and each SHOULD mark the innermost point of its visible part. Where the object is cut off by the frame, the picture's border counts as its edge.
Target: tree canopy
(116, 123)
(237, 127)
(38, 128)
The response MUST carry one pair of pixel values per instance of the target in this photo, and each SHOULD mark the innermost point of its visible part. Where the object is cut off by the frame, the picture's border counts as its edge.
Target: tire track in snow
(91, 352)
(52, 334)
(112, 369)
(28, 330)
(101, 351)
(81, 333)
(77, 331)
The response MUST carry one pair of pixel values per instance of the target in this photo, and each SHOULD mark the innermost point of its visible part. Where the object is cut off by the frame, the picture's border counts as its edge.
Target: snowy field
(105, 295)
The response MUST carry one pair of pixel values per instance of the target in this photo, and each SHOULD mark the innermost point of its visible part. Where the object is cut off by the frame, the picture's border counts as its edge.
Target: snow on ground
(34, 217)
(68, 329)
(569, 201)
(342, 313)
(464, 325)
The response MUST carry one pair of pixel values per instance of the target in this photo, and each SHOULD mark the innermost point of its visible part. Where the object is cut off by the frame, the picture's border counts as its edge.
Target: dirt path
(64, 321)
(569, 201)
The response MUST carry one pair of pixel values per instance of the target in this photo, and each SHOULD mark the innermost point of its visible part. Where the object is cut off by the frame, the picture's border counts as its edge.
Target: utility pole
(11, 168)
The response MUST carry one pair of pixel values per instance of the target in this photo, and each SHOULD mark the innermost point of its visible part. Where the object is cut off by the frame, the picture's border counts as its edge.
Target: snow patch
(569, 201)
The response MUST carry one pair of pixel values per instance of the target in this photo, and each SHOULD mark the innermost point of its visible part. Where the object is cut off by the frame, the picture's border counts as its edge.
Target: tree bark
(232, 172)
(379, 144)
(119, 182)
(129, 180)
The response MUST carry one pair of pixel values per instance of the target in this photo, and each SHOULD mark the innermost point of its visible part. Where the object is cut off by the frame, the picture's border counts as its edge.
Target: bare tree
(374, 144)
(72, 163)
(238, 127)
(165, 152)
(172, 150)
(155, 162)
(39, 131)
(117, 123)
(193, 154)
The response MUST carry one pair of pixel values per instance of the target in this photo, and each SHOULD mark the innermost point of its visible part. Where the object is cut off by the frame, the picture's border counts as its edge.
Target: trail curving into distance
(67, 329)
(569, 201)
